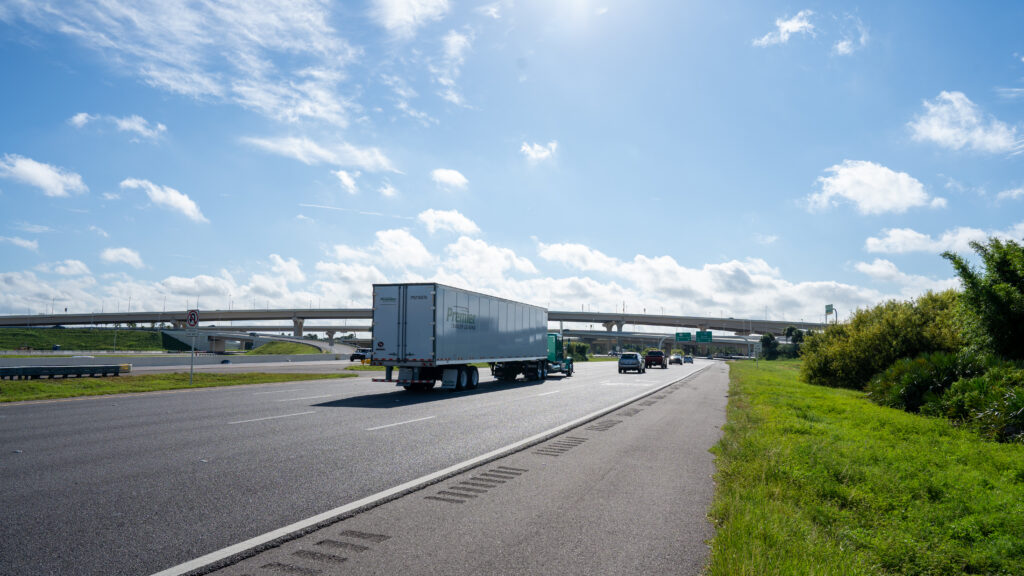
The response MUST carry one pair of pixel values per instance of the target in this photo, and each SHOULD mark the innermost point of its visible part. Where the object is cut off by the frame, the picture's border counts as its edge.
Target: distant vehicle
(631, 361)
(687, 359)
(675, 359)
(655, 358)
(225, 361)
(613, 354)
(360, 354)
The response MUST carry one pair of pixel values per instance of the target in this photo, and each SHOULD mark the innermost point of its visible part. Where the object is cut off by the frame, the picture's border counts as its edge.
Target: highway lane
(136, 484)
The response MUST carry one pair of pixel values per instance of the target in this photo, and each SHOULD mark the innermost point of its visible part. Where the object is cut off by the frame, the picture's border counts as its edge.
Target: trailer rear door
(419, 322)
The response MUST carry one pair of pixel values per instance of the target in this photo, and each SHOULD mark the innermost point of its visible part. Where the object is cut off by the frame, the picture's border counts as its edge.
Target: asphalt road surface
(137, 484)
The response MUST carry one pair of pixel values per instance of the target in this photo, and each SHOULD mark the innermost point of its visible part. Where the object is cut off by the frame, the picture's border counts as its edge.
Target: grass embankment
(80, 339)
(815, 480)
(18, 390)
(285, 348)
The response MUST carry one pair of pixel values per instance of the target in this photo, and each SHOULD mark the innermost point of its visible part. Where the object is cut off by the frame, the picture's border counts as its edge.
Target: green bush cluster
(578, 351)
(850, 355)
(910, 383)
(954, 354)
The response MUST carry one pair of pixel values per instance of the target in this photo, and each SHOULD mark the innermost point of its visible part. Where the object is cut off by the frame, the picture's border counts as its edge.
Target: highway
(136, 484)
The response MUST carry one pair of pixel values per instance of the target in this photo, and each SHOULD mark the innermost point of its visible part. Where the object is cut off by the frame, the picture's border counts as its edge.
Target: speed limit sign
(192, 320)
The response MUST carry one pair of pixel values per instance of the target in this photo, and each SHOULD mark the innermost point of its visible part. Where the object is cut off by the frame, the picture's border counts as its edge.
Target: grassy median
(45, 389)
(816, 480)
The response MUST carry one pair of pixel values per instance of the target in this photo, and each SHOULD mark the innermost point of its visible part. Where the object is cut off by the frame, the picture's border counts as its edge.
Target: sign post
(192, 321)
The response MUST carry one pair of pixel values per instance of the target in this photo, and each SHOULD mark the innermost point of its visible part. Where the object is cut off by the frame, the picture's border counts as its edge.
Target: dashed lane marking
(273, 417)
(398, 424)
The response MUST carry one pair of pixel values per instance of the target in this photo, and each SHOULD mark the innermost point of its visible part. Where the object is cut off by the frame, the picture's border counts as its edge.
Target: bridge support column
(330, 337)
(297, 324)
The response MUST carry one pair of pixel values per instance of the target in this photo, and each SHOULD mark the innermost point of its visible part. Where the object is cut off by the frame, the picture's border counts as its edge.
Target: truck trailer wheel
(473, 378)
(462, 378)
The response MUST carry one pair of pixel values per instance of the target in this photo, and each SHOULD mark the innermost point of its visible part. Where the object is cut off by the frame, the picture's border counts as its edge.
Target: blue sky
(714, 158)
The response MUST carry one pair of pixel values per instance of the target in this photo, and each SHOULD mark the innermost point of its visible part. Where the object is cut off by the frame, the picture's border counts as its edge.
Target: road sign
(757, 348)
(828, 309)
(192, 319)
(703, 336)
(682, 336)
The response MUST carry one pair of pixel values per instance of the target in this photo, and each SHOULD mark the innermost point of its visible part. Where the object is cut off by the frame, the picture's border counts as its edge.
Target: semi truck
(432, 332)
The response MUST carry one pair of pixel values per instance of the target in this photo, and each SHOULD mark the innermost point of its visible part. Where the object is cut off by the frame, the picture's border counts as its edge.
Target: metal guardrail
(37, 372)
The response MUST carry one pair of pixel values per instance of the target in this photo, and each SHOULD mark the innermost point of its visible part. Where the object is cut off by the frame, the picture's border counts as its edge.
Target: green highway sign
(828, 309)
(703, 336)
(682, 336)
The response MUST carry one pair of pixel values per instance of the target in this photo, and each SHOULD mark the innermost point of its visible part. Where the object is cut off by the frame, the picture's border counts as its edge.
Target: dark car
(688, 359)
(360, 354)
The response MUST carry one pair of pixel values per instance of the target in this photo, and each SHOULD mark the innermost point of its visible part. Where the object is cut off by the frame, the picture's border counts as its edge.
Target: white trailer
(434, 332)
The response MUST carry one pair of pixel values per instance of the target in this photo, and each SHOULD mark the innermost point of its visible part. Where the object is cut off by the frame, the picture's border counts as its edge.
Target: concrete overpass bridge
(298, 317)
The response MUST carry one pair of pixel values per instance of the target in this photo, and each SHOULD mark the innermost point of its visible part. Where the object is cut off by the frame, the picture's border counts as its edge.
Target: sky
(719, 158)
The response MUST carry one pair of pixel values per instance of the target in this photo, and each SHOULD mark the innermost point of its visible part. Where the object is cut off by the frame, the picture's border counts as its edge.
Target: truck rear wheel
(473, 379)
(461, 378)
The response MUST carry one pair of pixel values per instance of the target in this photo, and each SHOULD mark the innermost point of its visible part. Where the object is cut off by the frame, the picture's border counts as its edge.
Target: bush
(993, 402)
(993, 298)
(909, 384)
(850, 355)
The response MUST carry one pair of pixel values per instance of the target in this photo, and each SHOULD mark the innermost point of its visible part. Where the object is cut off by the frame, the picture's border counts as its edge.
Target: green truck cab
(558, 362)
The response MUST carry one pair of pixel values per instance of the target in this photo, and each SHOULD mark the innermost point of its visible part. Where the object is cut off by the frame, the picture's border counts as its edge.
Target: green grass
(79, 339)
(43, 389)
(285, 348)
(817, 480)
(365, 368)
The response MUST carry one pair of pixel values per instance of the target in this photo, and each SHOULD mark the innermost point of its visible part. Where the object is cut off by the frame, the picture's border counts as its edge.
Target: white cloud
(387, 190)
(66, 268)
(765, 239)
(799, 24)
(911, 285)
(1010, 93)
(451, 220)
(401, 248)
(133, 123)
(81, 119)
(21, 242)
(403, 18)
(34, 228)
(348, 180)
(493, 10)
(904, 240)
(289, 269)
(873, 188)
(954, 122)
(850, 44)
(167, 197)
(537, 152)
(449, 179)
(281, 58)
(53, 181)
(123, 255)
(99, 231)
(311, 153)
(447, 72)
(487, 264)
(140, 126)
(1012, 194)
(578, 256)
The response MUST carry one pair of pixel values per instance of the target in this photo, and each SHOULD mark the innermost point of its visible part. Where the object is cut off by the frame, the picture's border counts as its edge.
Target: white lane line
(262, 539)
(273, 417)
(279, 391)
(306, 398)
(548, 393)
(398, 423)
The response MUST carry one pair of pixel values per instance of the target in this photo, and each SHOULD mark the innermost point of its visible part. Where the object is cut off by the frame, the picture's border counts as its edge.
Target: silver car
(631, 361)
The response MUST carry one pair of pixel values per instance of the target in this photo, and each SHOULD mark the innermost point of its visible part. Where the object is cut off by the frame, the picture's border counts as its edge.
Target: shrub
(850, 355)
(909, 383)
(993, 299)
(993, 402)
